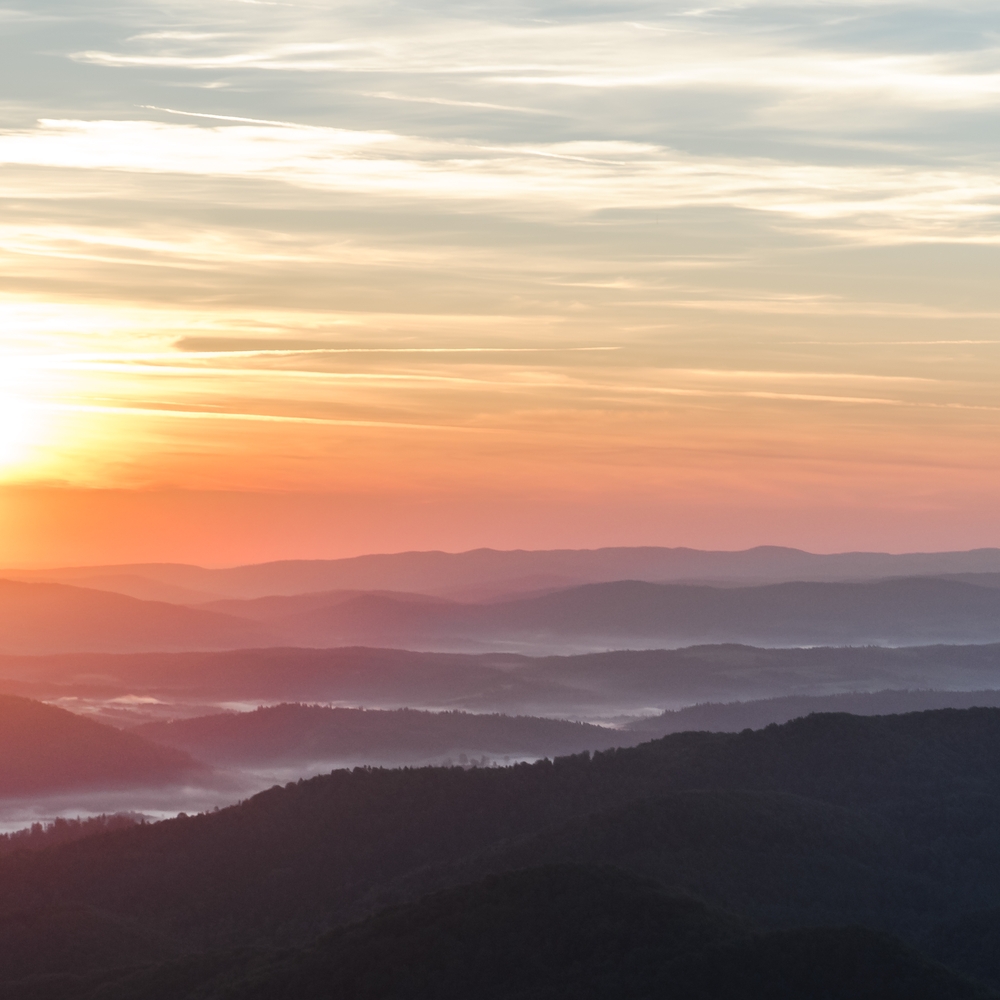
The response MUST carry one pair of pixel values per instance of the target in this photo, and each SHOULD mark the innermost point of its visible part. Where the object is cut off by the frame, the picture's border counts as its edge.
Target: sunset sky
(317, 279)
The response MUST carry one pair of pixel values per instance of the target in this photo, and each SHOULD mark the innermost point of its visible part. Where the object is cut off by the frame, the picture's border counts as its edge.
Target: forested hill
(313, 733)
(887, 821)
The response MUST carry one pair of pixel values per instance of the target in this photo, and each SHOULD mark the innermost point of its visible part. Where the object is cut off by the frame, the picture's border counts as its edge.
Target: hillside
(53, 618)
(310, 733)
(45, 749)
(458, 574)
(884, 823)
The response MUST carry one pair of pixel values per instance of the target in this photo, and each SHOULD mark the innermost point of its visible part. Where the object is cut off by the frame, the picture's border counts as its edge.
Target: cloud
(632, 242)
(876, 204)
(445, 102)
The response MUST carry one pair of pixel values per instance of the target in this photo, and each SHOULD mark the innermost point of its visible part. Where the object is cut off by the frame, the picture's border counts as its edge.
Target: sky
(295, 280)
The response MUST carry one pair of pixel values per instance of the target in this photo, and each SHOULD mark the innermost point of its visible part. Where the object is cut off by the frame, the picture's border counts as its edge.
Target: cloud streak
(877, 204)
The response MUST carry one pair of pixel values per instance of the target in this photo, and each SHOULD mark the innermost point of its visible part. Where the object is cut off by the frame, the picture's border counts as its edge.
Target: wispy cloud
(445, 102)
(627, 248)
(886, 203)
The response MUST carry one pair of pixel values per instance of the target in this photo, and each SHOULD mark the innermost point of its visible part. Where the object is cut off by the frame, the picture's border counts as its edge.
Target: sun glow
(25, 423)
(19, 430)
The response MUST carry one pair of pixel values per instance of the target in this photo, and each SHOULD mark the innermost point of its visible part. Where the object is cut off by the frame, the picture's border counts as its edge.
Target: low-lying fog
(240, 747)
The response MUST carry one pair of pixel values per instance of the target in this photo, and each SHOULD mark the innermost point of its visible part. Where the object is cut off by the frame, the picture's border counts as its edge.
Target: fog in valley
(244, 719)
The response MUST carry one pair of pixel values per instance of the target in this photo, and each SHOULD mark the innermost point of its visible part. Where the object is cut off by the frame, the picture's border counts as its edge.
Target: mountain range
(594, 686)
(488, 574)
(42, 618)
(638, 615)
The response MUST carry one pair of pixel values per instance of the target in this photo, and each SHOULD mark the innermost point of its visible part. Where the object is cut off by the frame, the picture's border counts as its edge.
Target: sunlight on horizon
(21, 430)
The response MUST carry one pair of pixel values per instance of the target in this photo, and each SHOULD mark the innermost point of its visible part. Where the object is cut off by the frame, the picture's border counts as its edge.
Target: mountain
(53, 618)
(635, 614)
(44, 749)
(733, 717)
(888, 824)
(488, 573)
(590, 686)
(311, 733)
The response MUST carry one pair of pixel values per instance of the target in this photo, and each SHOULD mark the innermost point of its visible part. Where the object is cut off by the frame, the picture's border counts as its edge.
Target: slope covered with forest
(890, 823)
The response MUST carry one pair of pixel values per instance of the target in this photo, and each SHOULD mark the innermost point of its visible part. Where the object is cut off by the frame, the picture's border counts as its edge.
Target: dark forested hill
(266, 868)
(312, 733)
(890, 823)
(45, 749)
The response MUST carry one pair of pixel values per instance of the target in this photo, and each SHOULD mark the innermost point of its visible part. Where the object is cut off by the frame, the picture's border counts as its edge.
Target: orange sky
(454, 282)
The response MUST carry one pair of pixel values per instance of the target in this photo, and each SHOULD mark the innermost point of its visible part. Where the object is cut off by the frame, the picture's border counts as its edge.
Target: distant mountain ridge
(277, 607)
(57, 618)
(41, 618)
(488, 573)
(638, 615)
